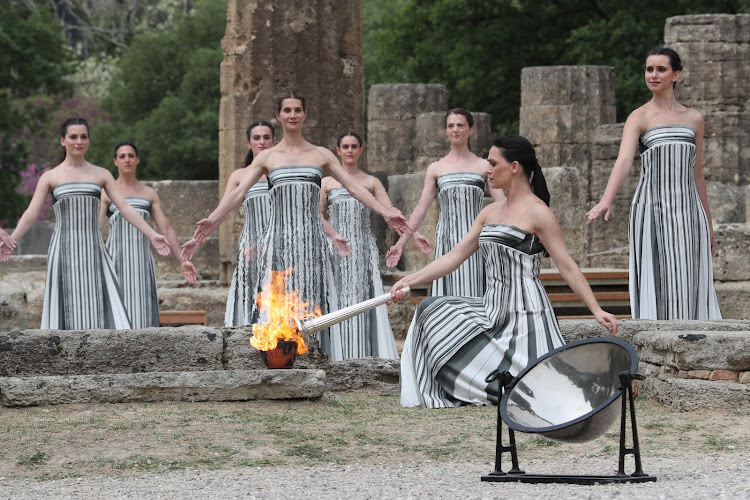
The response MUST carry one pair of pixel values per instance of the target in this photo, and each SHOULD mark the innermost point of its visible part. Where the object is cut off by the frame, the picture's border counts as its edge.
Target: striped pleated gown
(670, 249)
(134, 264)
(295, 240)
(241, 296)
(460, 196)
(455, 342)
(81, 290)
(357, 278)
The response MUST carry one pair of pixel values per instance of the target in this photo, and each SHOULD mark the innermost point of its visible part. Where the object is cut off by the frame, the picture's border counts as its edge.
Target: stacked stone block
(405, 134)
(561, 109)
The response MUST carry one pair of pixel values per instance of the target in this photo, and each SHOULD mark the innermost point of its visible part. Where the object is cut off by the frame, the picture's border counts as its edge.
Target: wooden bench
(179, 318)
(610, 287)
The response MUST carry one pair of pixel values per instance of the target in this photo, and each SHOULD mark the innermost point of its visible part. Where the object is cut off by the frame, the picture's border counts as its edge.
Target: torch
(313, 325)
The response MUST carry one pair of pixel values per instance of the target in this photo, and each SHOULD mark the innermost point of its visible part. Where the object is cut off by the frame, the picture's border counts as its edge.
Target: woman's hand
(400, 291)
(341, 245)
(394, 254)
(7, 240)
(205, 228)
(599, 209)
(189, 248)
(397, 222)
(161, 244)
(422, 242)
(5, 252)
(607, 320)
(188, 269)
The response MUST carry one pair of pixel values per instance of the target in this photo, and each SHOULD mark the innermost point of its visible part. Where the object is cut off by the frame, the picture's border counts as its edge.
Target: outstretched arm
(340, 243)
(43, 188)
(393, 217)
(6, 246)
(103, 212)
(161, 221)
(231, 199)
(622, 168)
(429, 193)
(549, 233)
(448, 263)
(700, 180)
(158, 241)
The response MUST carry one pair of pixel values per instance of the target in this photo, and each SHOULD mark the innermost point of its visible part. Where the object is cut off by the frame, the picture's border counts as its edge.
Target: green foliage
(477, 48)
(164, 96)
(33, 60)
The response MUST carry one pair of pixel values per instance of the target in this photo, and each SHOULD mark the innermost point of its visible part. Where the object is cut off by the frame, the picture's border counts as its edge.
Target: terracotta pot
(283, 356)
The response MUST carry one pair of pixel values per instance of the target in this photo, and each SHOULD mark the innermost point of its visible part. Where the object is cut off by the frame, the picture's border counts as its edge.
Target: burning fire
(281, 308)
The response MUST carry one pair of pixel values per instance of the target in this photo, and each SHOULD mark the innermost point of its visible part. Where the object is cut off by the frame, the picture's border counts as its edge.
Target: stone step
(690, 394)
(696, 349)
(219, 385)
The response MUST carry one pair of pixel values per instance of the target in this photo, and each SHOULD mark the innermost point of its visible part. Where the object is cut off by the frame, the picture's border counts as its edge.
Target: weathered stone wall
(314, 47)
(405, 134)
(561, 109)
(714, 49)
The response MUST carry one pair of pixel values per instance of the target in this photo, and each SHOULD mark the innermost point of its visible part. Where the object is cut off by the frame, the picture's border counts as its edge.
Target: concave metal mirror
(568, 394)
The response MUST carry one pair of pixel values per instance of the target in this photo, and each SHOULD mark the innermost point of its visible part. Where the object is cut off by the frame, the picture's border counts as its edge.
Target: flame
(281, 308)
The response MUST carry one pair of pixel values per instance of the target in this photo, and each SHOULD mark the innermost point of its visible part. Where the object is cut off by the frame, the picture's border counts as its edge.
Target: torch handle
(314, 325)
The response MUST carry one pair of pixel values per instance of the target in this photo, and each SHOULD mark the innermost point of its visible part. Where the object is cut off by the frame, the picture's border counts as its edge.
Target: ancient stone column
(715, 50)
(561, 108)
(314, 47)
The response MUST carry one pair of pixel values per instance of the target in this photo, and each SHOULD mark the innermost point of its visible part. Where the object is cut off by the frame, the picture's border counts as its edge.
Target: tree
(164, 96)
(477, 48)
(33, 60)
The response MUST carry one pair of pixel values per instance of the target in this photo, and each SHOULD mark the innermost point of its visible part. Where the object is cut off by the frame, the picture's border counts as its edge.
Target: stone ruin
(567, 112)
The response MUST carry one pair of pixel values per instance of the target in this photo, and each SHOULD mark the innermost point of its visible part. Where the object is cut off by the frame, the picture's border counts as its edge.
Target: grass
(84, 440)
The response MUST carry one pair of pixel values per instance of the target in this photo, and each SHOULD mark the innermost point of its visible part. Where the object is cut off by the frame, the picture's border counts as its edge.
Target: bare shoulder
(149, 193)
(695, 119)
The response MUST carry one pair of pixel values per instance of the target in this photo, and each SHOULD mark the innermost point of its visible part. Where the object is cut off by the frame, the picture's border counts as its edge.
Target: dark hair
(459, 111)
(126, 143)
(64, 130)
(463, 112)
(518, 148)
(349, 134)
(72, 121)
(674, 58)
(259, 123)
(289, 94)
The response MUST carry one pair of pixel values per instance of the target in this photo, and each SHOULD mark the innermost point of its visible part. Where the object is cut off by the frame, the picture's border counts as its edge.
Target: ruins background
(566, 111)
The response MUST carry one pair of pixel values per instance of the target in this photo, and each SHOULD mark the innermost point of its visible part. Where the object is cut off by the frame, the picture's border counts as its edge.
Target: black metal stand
(517, 475)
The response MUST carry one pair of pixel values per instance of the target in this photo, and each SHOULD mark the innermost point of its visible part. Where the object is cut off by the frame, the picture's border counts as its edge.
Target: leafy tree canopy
(33, 60)
(164, 97)
(477, 48)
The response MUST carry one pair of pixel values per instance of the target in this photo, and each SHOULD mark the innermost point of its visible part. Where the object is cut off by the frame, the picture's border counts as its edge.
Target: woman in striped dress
(129, 249)
(455, 342)
(458, 181)
(670, 235)
(294, 238)
(355, 257)
(82, 290)
(256, 209)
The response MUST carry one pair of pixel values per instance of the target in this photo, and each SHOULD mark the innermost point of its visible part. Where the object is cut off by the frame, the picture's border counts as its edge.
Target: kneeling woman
(455, 342)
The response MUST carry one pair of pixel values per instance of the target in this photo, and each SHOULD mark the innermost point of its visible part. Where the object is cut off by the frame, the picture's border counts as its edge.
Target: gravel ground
(712, 476)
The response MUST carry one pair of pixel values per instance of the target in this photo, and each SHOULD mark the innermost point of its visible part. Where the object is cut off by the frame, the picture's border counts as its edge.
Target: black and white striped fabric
(670, 249)
(134, 264)
(460, 196)
(257, 208)
(82, 290)
(294, 239)
(357, 278)
(455, 342)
